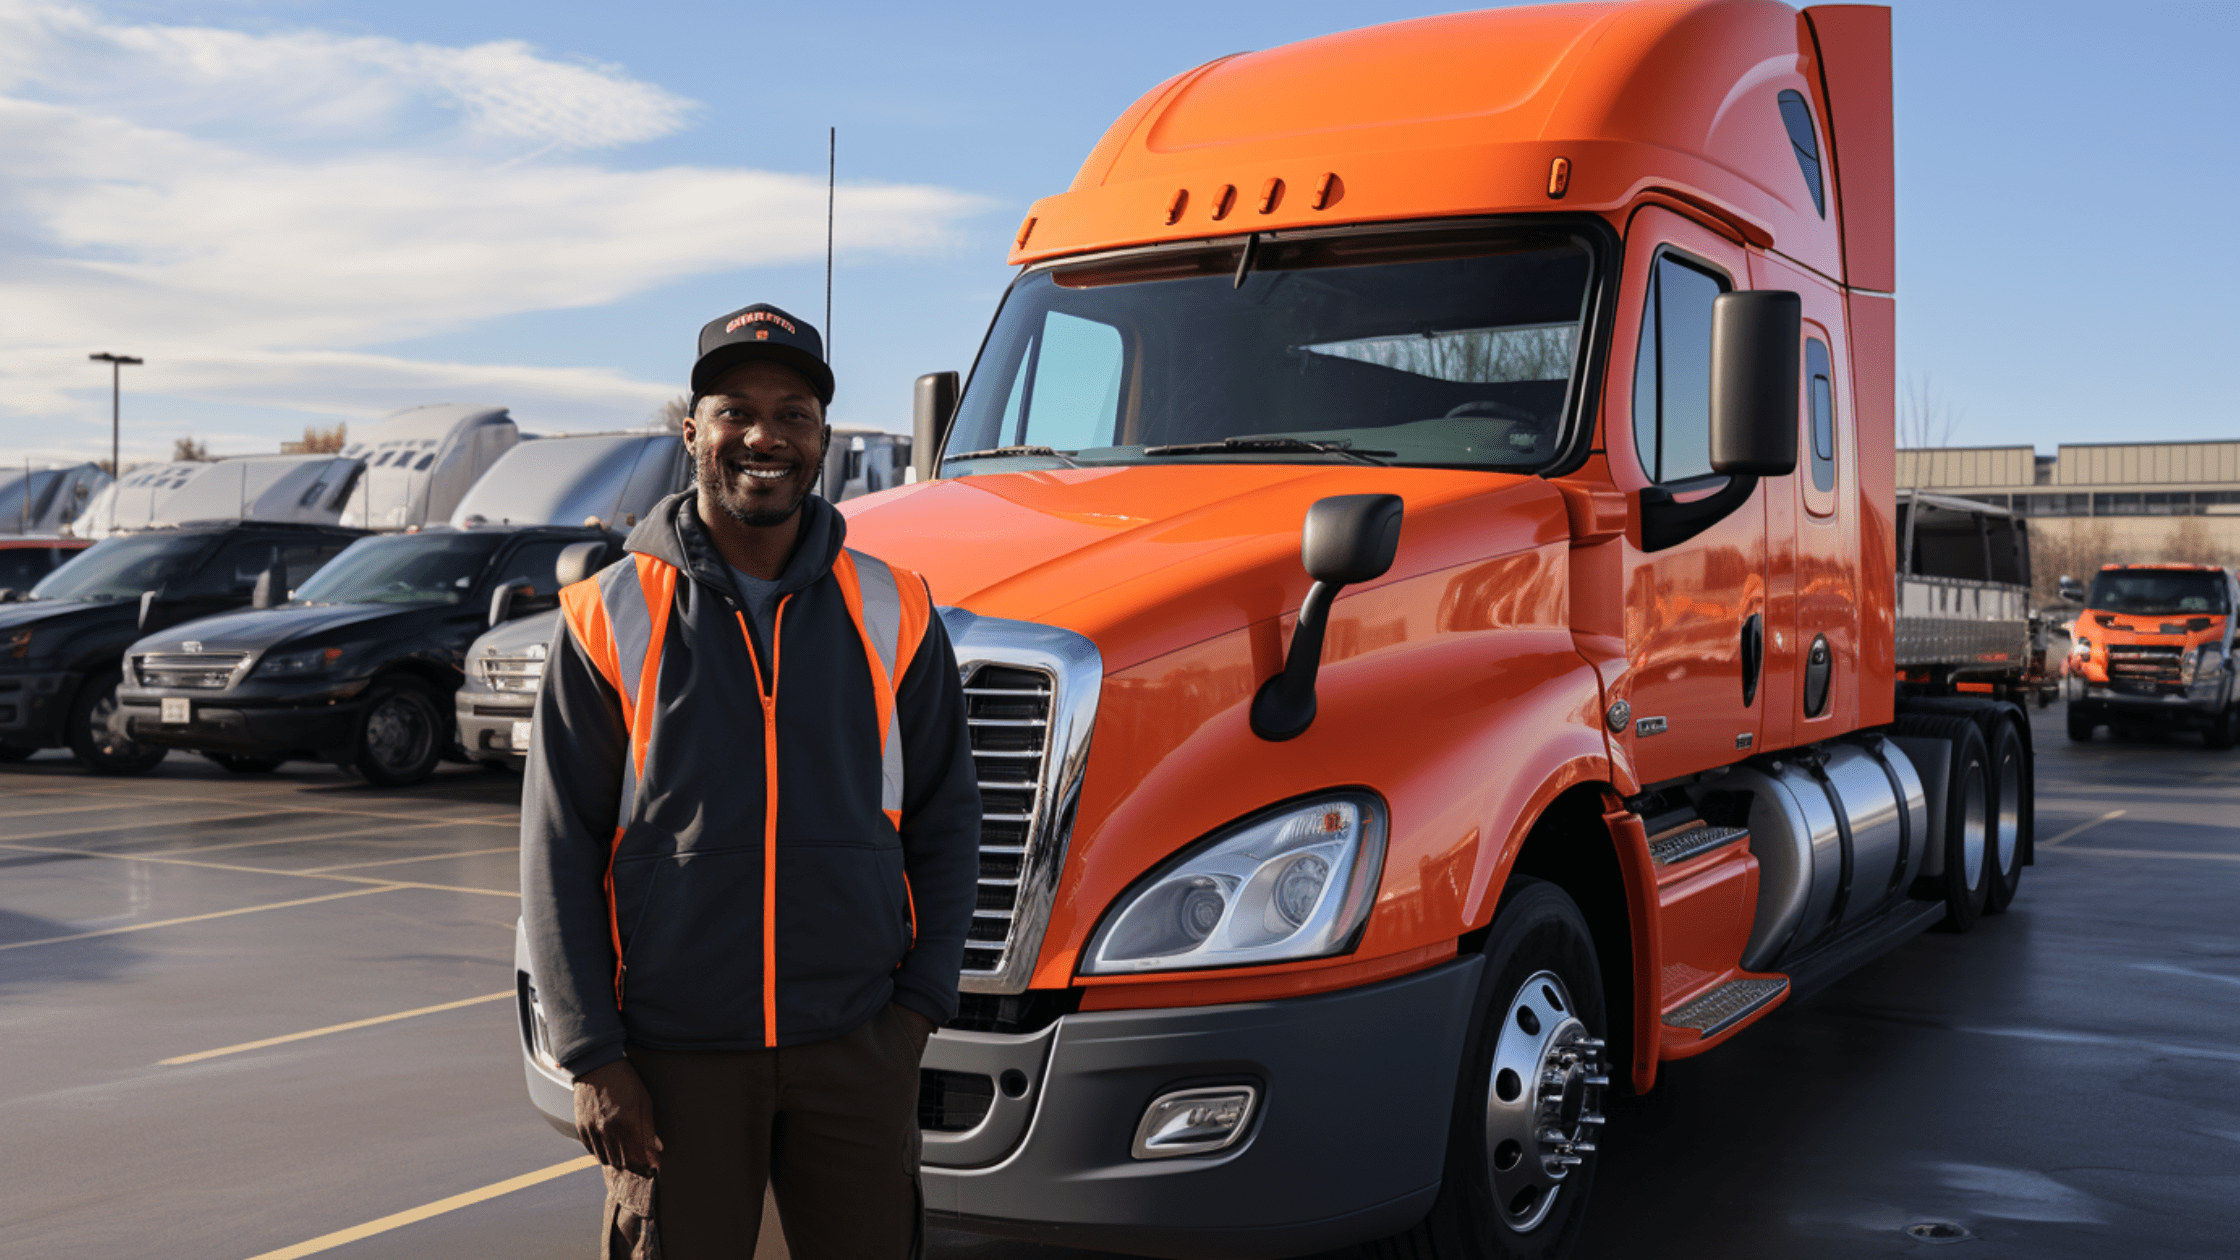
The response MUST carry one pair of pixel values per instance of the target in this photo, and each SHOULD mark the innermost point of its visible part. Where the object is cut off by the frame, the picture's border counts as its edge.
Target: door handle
(1753, 656)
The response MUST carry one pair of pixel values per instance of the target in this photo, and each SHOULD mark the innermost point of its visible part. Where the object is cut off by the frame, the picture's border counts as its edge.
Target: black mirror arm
(1668, 522)
(1284, 706)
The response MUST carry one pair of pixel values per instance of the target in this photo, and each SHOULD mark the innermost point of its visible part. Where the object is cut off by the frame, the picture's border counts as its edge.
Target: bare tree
(187, 449)
(670, 415)
(2190, 542)
(1926, 422)
(318, 441)
(2075, 547)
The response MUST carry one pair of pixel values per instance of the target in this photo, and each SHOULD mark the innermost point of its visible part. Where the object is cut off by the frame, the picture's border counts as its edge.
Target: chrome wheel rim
(1543, 1101)
(106, 742)
(398, 733)
(2008, 824)
(1975, 809)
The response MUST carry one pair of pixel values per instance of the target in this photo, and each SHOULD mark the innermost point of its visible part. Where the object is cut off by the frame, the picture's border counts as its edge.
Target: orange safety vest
(620, 618)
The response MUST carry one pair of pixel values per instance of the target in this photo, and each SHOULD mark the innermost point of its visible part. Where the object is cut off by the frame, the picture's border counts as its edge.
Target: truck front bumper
(1345, 1141)
(33, 707)
(2193, 706)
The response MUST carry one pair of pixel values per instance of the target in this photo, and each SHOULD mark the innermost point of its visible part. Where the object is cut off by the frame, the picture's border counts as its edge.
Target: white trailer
(421, 461)
(47, 500)
(307, 489)
(609, 479)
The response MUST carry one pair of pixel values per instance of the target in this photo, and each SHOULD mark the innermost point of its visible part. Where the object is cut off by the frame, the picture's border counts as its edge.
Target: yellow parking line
(332, 1028)
(255, 870)
(2160, 853)
(197, 918)
(426, 857)
(328, 1242)
(142, 825)
(2084, 827)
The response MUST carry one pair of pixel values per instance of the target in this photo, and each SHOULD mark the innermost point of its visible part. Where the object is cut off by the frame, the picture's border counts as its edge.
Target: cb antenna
(831, 171)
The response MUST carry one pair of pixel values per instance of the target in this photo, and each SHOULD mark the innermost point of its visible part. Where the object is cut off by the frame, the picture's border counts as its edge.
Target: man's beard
(715, 476)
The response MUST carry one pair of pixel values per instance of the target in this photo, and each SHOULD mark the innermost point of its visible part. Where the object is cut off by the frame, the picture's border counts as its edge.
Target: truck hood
(2174, 629)
(63, 613)
(258, 630)
(1145, 559)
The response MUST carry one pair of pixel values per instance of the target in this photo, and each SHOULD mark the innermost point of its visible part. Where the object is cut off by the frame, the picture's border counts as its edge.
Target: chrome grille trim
(499, 671)
(190, 671)
(1030, 784)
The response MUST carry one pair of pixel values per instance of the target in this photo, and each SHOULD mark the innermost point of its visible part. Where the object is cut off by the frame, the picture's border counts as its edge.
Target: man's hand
(614, 1118)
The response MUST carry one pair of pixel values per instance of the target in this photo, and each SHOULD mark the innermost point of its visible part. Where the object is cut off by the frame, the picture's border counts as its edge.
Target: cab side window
(1672, 371)
(235, 569)
(536, 563)
(304, 560)
(1821, 395)
(1066, 390)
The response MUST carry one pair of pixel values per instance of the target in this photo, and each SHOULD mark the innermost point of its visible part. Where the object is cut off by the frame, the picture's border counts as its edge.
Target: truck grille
(1008, 711)
(518, 674)
(2146, 663)
(191, 671)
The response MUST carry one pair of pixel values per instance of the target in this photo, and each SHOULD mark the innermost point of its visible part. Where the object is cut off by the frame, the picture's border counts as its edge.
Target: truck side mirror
(934, 406)
(501, 601)
(148, 602)
(1757, 339)
(272, 586)
(1348, 538)
(579, 561)
(2071, 589)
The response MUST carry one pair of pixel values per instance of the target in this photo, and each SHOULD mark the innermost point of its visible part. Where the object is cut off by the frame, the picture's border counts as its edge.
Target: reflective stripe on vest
(620, 617)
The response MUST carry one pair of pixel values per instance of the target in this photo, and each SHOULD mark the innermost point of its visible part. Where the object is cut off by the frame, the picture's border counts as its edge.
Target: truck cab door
(1694, 610)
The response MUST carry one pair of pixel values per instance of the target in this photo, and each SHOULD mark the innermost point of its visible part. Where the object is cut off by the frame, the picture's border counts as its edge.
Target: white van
(421, 461)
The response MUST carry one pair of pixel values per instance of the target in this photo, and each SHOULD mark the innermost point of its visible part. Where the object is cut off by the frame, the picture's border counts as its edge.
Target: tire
(246, 765)
(2010, 814)
(2080, 725)
(2226, 730)
(1966, 839)
(90, 741)
(1539, 955)
(402, 733)
(16, 752)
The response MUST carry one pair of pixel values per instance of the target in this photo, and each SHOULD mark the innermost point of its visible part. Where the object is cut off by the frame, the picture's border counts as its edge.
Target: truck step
(1682, 843)
(1728, 1005)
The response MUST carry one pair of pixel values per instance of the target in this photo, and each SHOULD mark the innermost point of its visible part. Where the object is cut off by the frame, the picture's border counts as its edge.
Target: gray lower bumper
(2197, 706)
(486, 728)
(1347, 1142)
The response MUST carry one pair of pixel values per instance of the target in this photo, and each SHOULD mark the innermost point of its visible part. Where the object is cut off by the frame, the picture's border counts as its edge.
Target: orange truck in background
(2153, 648)
(1419, 539)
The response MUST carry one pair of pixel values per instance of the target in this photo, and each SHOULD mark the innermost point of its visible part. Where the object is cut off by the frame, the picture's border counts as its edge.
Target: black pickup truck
(60, 649)
(358, 669)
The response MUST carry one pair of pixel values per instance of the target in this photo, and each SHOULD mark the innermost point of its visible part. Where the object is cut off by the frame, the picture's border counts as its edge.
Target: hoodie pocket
(692, 960)
(843, 921)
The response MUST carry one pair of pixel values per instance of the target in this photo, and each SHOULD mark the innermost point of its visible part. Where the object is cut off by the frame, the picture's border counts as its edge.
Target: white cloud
(247, 211)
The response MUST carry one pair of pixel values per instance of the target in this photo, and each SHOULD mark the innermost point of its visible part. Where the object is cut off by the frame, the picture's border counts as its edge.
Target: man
(750, 840)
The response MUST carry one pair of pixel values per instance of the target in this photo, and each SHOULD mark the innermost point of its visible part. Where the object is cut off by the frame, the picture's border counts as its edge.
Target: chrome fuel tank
(1838, 831)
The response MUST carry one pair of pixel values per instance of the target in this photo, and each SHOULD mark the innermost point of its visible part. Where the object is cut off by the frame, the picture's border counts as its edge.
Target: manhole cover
(1938, 1232)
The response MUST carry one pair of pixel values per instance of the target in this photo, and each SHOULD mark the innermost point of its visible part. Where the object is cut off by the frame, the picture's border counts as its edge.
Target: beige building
(2106, 503)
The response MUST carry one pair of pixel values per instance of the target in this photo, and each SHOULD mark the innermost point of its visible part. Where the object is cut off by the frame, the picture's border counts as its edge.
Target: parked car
(25, 560)
(358, 669)
(61, 649)
(506, 666)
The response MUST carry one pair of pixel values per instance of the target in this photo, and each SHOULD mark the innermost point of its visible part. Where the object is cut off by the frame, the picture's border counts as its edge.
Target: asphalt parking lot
(269, 1017)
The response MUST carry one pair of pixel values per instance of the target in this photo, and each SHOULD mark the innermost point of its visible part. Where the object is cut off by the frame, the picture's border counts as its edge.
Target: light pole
(116, 364)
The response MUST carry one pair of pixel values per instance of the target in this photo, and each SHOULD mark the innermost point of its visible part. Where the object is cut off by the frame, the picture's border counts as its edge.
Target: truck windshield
(1453, 348)
(125, 567)
(402, 569)
(2158, 591)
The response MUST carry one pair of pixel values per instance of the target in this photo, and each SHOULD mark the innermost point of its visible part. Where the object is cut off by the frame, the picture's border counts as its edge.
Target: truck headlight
(2083, 650)
(296, 664)
(2207, 662)
(1294, 882)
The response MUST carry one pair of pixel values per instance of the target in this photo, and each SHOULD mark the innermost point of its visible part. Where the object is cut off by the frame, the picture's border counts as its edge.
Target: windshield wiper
(1003, 451)
(1342, 449)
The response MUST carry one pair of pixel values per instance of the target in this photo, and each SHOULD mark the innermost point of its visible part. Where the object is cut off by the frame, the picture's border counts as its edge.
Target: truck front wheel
(2224, 730)
(2080, 724)
(1528, 1115)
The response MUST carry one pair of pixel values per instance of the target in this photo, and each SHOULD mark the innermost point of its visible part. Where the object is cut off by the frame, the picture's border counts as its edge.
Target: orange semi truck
(1418, 537)
(2152, 647)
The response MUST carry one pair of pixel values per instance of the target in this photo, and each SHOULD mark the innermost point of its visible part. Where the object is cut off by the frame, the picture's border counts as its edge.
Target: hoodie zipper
(769, 697)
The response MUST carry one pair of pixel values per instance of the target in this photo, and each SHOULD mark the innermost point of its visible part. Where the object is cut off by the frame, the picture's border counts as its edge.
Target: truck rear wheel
(1970, 796)
(2009, 816)
(1521, 1148)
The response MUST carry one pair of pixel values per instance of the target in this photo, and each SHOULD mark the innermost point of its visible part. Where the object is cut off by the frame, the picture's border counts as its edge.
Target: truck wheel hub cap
(1543, 1101)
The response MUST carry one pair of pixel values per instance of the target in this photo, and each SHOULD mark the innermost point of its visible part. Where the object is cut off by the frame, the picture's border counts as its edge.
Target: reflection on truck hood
(35, 612)
(254, 630)
(1147, 559)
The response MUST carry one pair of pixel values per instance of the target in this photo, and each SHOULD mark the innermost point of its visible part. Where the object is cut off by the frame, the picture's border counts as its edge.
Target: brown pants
(831, 1127)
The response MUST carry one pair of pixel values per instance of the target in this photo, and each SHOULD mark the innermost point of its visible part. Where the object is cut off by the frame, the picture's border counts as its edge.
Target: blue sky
(305, 211)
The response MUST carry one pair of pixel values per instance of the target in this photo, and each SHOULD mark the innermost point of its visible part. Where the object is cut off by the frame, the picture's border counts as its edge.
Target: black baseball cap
(761, 331)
